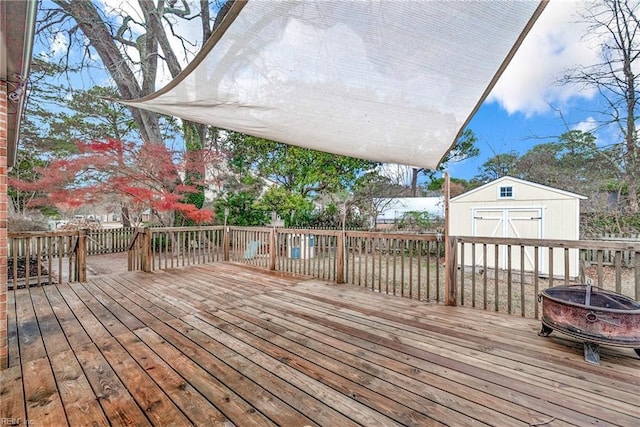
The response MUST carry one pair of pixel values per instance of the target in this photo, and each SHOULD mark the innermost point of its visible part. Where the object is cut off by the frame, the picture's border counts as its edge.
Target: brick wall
(3, 226)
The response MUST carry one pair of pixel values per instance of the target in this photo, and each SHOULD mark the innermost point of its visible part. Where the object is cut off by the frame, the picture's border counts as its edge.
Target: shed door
(524, 223)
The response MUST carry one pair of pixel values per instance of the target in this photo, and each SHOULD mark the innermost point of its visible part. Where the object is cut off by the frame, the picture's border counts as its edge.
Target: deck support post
(146, 251)
(340, 258)
(81, 256)
(227, 243)
(272, 249)
(451, 269)
(450, 249)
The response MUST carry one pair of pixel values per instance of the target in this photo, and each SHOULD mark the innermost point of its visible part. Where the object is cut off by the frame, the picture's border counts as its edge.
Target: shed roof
(521, 181)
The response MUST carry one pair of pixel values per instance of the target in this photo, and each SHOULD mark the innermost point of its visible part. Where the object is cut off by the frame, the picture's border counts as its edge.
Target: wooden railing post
(450, 251)
(146, 251)
(451, 268)
(272, 249)
(340, 258)
(81, 256)
(227, 243)
(133, 248)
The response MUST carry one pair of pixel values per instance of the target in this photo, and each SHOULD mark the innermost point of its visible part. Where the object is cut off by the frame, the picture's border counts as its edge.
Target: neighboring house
(394, 209)
(514, 208)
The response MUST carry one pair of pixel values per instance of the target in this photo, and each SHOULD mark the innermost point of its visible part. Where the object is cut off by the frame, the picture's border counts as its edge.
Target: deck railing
(489, 273)
(249, 245)
(37, 258)
(109, 240)
(406, 265)
(399, 264)
(507, 274)
(315, 253)
(168, 247)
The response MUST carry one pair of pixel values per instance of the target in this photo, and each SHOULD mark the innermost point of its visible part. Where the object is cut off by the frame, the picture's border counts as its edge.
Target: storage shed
(513, 208)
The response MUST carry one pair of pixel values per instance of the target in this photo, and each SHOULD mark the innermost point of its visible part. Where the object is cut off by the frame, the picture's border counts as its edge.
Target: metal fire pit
(592, 314)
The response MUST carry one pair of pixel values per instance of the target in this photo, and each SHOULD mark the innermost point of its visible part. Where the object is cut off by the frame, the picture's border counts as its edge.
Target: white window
(505, 192)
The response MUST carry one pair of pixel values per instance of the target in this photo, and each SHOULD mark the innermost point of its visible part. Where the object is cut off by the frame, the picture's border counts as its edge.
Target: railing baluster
(395, 263)
(366, 262)
(50, 257)
(618, 266)
(473, 274)
(600, 267)
(566, 266)
(536, 277)
(387, 245)
(432, 250)
(484, 276)
(410, 281)
(437, 262)
(27, 257)
(403, 249)
(462, 264)
(636, 268)
(496, 270)
(522, 290)
(38, 259)
(60, 240)
(551, 269)
(509, 266)
(420, 244)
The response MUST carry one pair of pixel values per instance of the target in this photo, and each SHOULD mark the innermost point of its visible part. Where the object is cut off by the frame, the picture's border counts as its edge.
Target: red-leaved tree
(141, 177)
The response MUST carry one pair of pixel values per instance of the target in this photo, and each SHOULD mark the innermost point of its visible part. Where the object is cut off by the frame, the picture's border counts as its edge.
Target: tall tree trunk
(126, 220)
(101, 39)
(631, 156)
(414, 181)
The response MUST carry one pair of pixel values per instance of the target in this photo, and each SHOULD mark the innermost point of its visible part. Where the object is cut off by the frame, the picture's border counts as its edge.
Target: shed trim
(520, 181)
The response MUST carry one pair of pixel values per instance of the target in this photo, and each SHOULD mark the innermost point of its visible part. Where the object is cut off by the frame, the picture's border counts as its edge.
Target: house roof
(17, 26)
(520, 181)
(395, 208)
(388, 81)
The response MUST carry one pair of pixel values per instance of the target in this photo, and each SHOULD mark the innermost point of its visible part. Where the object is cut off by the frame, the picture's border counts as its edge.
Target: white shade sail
(390, 81)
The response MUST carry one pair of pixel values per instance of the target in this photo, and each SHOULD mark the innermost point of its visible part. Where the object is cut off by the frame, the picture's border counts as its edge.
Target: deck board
(223, 345)
(12, 332)
(439, 351)
(116, 401)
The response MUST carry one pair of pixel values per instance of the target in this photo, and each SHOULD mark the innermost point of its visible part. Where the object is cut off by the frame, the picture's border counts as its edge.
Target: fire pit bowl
(592, 314)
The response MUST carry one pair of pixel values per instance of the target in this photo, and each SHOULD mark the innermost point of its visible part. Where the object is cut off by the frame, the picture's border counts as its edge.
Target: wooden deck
(226, 345)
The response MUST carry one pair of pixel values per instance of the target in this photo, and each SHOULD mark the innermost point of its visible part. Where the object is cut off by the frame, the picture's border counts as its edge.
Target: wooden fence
(608, 257)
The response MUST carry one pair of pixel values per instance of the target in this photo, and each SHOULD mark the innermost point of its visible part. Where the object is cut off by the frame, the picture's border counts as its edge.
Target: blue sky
(527, 106)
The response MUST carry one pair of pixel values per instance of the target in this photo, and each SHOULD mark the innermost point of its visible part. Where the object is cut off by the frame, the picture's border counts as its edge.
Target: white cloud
(188, 29)
(588, 125)
(554, 44)
(58, 46)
